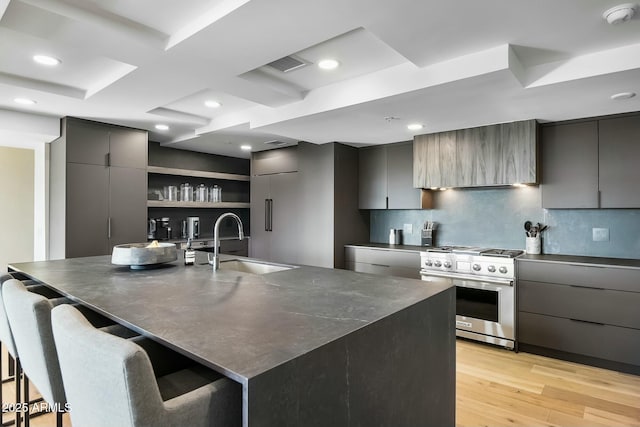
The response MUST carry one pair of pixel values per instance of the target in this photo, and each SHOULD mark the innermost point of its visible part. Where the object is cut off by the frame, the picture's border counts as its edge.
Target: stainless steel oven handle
(460, 276)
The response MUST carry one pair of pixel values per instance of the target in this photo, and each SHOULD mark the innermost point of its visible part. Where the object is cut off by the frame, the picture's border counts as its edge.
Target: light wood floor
(497, 387)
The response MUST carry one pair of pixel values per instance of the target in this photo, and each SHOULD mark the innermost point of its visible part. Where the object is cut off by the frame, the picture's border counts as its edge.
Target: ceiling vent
(288, 63)
(275, 142)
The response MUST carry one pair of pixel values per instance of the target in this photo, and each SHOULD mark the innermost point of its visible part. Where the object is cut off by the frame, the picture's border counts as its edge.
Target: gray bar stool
(29, 317)
(6, 338)
(112, 381)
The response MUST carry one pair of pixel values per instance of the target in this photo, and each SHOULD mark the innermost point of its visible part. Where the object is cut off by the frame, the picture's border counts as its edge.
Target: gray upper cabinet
(484, 156)
(88, 143)
(385, 177)
(128, 148)
(268, 162)
(570, 165)
(400, 189)
(591, 164)
(619, 153)
(372, 179)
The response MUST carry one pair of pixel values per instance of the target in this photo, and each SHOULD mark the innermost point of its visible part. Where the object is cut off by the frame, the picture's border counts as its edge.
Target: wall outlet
(600, 234)
(407, 229)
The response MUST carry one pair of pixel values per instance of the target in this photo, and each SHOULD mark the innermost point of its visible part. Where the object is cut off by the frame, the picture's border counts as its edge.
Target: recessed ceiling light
(623, 95)
(212, 104)
(162, 127)
(24, 101)
(46, 60)
(328, 64)
(415, 126)
(245, 147)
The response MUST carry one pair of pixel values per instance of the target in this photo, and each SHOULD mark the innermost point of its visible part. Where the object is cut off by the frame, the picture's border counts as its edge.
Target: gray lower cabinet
(98, 188)
(274, 217)
(581, 310)
(385, 262)
(386, 178)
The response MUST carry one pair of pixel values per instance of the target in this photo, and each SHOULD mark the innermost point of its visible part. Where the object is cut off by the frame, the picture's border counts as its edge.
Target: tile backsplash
(494, 217)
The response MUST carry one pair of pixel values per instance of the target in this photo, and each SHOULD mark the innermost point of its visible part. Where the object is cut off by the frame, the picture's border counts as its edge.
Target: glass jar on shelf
(186, 192)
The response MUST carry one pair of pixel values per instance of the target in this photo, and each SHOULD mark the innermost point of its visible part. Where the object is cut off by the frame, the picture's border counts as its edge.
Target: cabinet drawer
(390, 258)
(622, 279)
(382, 270)
(589, 339)
(590, 304)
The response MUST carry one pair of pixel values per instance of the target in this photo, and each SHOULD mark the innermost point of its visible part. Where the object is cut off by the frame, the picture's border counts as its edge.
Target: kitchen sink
(253, 267)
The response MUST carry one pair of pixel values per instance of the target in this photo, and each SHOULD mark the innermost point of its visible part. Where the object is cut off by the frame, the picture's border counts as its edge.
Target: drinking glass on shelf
(186, 192)
(171, 193)
(201, 193)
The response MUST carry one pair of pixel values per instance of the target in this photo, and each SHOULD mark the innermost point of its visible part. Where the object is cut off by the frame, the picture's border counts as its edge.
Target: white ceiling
(447, 64)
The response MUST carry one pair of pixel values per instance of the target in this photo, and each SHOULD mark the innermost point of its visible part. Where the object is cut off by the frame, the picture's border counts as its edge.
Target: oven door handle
(469, 277)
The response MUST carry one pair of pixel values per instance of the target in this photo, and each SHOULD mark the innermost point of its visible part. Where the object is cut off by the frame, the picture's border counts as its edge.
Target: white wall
(17, 206)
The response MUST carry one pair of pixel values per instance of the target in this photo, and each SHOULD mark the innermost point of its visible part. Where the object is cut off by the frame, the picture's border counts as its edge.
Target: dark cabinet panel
(621, 279)
(87, 143)
(400, 189)
(570, 165)
(104, 205)
(619, 152)
(372, 180)
(589, 339)
(274, 217)
(582, 303)
(386, 178)
(87, 210)
(127, 205)
(260, 236)
(128, 148)
(282, 160)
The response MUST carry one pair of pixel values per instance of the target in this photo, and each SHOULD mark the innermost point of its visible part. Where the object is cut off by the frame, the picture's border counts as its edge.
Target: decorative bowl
(143, 255)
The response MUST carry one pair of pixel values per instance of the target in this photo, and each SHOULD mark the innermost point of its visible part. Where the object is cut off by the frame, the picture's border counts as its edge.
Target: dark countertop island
(310, 346)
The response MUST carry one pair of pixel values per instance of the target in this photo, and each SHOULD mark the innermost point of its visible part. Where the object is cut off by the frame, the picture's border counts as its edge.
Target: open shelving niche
(197, 174)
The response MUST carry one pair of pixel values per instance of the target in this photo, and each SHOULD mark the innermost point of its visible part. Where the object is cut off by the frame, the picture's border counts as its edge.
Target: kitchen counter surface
(574, 259)
(282, 335)
(386, 246)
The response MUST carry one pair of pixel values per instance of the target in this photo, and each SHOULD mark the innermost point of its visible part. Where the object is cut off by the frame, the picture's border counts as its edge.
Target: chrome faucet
(216, 237)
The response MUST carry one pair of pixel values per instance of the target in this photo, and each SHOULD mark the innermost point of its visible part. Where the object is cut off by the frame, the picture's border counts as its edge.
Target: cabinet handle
(387, 202)
(379, 265)
(587, 321)
(587, 287)
(266, 214)
(109, 228)
(270, 214)
(108, 159)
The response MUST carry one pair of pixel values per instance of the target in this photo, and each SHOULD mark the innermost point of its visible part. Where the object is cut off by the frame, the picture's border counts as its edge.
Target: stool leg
(59, 418)
(18, 379)
(1, 386)
(27, 415)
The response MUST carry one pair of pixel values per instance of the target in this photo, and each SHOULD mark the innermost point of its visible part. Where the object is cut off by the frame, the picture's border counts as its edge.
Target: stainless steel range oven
(485, 289)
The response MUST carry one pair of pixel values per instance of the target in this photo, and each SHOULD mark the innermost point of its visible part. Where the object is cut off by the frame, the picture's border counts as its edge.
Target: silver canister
(171, 193)
(395, 236)
(186, 192)
(201, 193)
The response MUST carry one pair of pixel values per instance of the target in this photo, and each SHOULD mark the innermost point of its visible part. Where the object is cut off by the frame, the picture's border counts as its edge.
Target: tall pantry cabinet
(274, 205)
(98, 188)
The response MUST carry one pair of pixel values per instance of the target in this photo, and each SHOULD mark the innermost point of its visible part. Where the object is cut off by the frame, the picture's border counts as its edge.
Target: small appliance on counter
(163, 228)
(395, 236)
(428, 233)
(193, 227)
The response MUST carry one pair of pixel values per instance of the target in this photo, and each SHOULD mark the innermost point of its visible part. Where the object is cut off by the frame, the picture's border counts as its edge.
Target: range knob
(503, 270)
(428, 263)
(491, 269)
(476, 267)
(447, 264)
(437, 263)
